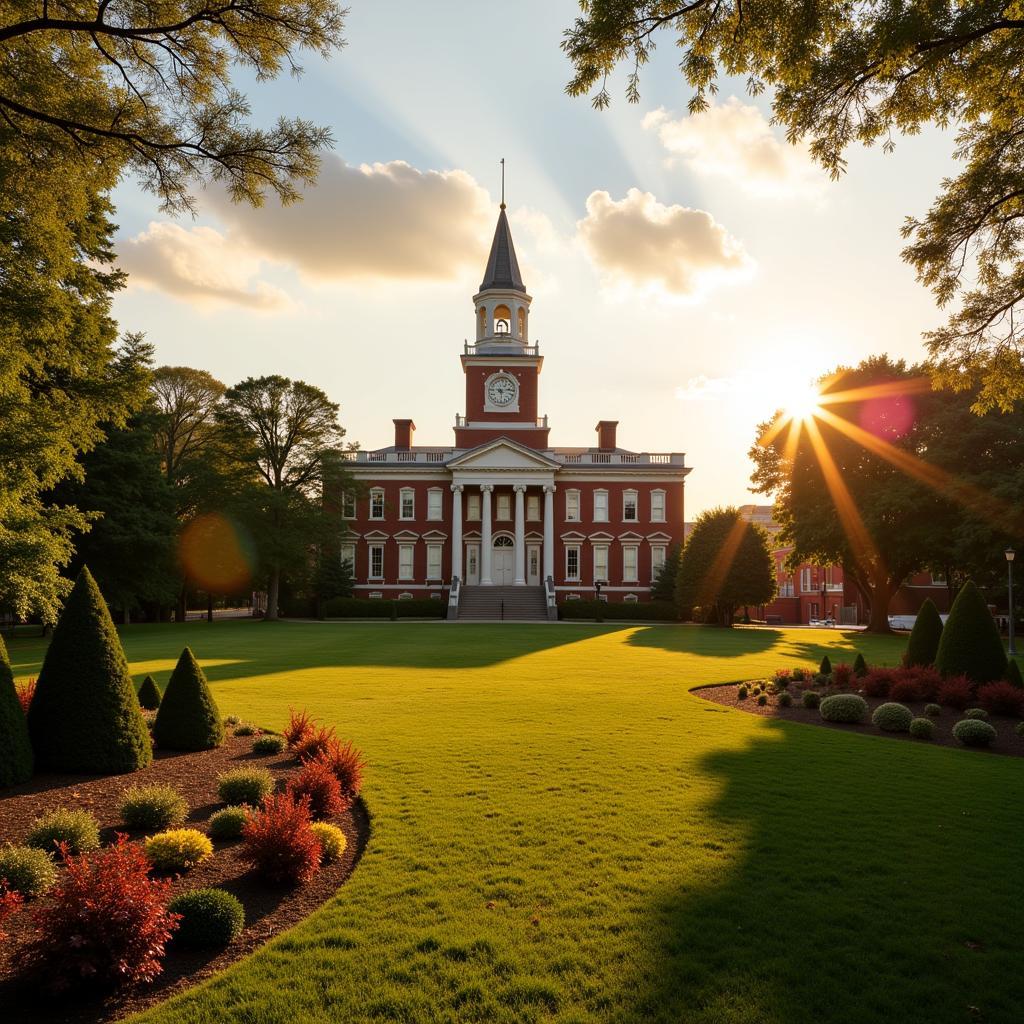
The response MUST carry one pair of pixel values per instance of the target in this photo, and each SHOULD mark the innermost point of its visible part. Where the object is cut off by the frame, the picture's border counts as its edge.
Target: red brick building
(519, 523)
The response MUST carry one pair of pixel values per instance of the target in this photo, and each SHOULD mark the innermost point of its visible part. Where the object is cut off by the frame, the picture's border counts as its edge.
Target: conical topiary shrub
(923, 644)
(149, 694)
(15, 748)
(860, 666)
(1013, 674)
(825, 668)
(85, 716)
(970, 644)
(188, 718)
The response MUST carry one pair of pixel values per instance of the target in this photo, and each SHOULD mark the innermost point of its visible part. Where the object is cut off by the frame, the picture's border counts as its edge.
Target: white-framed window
(600, 506)
(533, 507)
(938, 579)
(376, 561)
(630, 564)
(433, 561)
(472, 560)
(504, 507)
(348, 505)
(657, 506)
(631, 599)
(435, 508)
(405, 557)
(572, 506)
(601, 562)
(407, 506)
(377, 503)
(348, 554)
(405, 596)
(629, 507)
(657, 560)
(805, 581)
(572, 597)
(375, 595)
(473, 507)
(572, 561)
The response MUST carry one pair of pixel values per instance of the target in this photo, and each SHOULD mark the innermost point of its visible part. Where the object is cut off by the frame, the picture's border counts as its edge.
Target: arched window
(503, 542)
(521, 322)
(502, 320)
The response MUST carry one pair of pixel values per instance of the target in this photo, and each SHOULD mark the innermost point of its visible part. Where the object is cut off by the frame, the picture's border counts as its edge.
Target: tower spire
(503, 183)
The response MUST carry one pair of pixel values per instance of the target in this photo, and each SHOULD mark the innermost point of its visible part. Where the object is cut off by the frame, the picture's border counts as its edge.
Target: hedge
(661, 611)
(375, 608)
(15, 748)
(970, 643)
(923, 644)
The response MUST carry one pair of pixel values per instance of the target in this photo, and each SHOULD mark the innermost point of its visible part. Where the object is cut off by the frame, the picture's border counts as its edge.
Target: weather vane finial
(503, 183)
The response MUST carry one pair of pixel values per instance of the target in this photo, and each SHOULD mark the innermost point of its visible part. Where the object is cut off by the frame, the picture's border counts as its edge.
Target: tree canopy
(843, 72)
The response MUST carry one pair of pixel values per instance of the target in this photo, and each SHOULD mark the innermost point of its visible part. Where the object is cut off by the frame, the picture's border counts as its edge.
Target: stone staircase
(493, 603)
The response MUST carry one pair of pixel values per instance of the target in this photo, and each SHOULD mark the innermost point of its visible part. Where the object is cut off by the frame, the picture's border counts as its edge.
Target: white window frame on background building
(805, 581)
(376, 572)
(435, 504)
(407, 503)
(658, 556)
(657, 506)
(600, 554)
(377, 503)
(348, 554)
(406, 561)
(503, 507)
(630, 573)
(473, 508)
(600, 506)
(434, 551)
(533, 508)
(572, 505)
(348, 505)
(630, 506)
(572, 554)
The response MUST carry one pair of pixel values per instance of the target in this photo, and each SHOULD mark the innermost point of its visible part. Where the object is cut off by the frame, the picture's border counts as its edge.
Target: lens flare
(216, 554)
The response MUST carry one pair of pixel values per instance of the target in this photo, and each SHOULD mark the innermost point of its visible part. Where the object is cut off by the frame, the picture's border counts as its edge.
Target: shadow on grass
(872, 884)
(707, 641)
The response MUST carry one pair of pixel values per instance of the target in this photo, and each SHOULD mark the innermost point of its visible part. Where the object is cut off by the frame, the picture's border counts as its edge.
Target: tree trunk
(126, 617)
(272, 588)
(878, 618)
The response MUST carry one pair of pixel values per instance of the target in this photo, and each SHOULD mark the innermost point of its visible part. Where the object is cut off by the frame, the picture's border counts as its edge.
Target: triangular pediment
(502, 453)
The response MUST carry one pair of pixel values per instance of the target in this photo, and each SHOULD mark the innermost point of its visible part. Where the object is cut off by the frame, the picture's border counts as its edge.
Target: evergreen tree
(85, 715)
(149, 694)
(825, 668)
(188, 718)
(15, 748)
(923, 644)
(860, 666)
(664, 586)
(970, 643)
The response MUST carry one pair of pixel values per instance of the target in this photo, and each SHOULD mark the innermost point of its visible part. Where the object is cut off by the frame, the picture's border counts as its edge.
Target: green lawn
(561, 831)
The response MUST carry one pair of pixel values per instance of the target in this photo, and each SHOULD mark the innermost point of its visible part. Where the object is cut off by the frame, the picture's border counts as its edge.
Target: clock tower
(501, 367)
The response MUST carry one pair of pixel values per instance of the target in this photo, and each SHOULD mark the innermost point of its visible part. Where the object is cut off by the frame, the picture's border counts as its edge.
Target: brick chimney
(606, 434)
(404, 429)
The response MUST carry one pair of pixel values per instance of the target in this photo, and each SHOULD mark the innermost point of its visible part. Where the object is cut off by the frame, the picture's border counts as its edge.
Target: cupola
(502, 304)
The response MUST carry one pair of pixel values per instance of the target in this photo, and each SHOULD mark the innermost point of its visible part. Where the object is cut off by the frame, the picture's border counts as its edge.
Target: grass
(562, 832)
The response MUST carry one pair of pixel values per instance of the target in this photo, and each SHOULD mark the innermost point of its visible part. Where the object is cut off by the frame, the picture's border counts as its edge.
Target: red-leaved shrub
(1002, 699)
(347, 764)
(956, 692)
(279, 843)
(105, 924)
(783, 675)
(841, 675)
(26, 691)
(877, 682)
(317, 741)
(929, 682)
(300, 723)
(318, 782)
(9, 903)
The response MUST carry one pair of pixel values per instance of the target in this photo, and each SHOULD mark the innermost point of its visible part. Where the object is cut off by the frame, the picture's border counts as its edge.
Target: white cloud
(199, 264)
(639, 245)
(734, 141)
(706, 389)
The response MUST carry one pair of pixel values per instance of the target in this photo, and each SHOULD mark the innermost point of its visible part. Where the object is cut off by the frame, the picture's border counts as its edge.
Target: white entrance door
(533, 565)
(502, 571)
(472, 564)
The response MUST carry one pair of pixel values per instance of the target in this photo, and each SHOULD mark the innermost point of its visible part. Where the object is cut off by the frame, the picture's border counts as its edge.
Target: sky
(689, 275)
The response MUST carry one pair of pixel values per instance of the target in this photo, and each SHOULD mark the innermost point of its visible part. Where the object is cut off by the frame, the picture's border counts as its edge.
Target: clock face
(501, 390)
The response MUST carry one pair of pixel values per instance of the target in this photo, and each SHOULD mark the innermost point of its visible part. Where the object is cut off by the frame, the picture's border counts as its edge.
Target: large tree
(845, 71)
(288, 432)
(147, 84)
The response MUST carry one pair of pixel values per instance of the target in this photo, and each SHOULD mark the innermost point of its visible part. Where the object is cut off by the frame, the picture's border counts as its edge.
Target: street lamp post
(1009, 568)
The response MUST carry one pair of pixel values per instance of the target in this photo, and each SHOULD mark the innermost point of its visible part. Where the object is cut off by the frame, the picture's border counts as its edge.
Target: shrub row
(366, 608)
(655, 611)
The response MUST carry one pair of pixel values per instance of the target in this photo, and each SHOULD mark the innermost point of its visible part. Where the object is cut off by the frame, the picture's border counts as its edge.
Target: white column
(457, 532)
(549, 530)
(485, 541)
(520, 548)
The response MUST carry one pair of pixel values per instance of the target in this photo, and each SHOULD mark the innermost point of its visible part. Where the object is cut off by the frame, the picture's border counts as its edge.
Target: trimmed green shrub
(825, 668)
(332, 840)
(860, 666)
(785, 699)
(892, 717)
(188, 718)
(970, 644)
(811, 699)
(922, 728)
(972, 732)
(209, 917)
(149, 695)
(366, 608)
(178, 849)
(843, 707)
(231, 720)
(245, 729)
(924, 637)
(15, 746)
(227, 823)
(145, 808)
(85, 715)
(28, 871)
(1019, 729)
(762, 699)
(933, 710)
(1013, 676)
(268, 744)
(650, 611)
(78, 828)
(979, 713)
(245, 786)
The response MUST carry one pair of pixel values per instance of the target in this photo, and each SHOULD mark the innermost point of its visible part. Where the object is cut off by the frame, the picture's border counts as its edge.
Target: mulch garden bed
(1006, 741)
(269, 910)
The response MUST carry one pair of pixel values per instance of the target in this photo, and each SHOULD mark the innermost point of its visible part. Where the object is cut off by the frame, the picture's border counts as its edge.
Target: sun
(801, 401)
